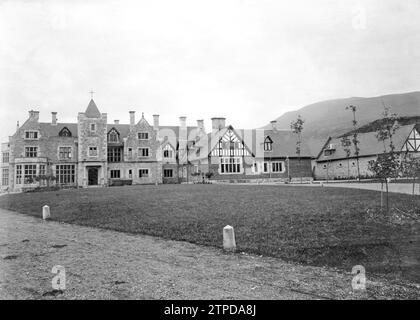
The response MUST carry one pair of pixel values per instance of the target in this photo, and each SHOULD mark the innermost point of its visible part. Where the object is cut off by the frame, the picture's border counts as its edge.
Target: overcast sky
(249, 61)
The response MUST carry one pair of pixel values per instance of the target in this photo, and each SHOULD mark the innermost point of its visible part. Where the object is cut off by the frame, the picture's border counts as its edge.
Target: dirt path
(103, 264)
(393, 187)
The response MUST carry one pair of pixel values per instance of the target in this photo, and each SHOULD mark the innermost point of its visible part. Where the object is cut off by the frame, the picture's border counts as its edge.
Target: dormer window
(65, 132)
(113, 136)
(268, 144)
(168, 152)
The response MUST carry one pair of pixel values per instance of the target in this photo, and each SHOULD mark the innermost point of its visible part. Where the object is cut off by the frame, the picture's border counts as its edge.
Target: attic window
(328, 152)
(65, 132)
(268, 144)
(113, 136)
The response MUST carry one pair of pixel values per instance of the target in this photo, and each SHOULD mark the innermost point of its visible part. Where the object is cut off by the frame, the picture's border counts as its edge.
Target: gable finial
(91, 94)
(142, 115)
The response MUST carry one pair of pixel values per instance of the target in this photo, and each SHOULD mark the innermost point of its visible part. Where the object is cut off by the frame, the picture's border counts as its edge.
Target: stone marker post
(45, 212)
(229, 243)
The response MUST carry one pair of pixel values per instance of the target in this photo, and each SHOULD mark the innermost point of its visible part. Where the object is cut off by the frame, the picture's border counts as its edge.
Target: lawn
(311, 225)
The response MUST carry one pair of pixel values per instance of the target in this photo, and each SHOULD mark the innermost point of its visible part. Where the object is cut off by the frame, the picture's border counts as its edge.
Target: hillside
(330, 118)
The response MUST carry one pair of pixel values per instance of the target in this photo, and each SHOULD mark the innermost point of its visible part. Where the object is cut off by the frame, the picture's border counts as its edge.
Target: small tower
(92, 142)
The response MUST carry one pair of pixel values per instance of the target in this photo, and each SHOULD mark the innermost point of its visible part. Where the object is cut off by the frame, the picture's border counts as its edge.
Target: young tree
(346, 143)
(355, 140)
(297, 128)
(387, 165)
(410, 168)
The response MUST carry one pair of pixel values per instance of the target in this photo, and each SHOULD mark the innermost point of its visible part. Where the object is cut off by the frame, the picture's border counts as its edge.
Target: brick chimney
(132, 118)
(54, 118)
(218, 123)
(200, 125)
(34, 115)
(116, 121)
(274, 125)
(183, 122)
(156, 121)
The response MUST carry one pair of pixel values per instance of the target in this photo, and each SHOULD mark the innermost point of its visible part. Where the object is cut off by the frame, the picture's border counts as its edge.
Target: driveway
(104, 264)
(393, 187)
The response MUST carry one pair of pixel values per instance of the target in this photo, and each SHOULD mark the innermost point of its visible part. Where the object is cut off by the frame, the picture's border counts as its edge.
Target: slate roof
(368, 144)
(284, 144)
(53, 130)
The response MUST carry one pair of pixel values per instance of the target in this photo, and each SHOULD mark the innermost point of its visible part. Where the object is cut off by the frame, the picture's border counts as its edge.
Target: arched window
(168, 151)
(268, 144)
(65, 132)
(113, 135)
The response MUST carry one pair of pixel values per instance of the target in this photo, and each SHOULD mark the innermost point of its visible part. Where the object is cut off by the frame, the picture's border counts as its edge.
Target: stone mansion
(93, 152)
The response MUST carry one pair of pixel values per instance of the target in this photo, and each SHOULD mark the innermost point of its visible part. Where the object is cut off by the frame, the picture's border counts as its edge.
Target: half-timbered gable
(413, 141)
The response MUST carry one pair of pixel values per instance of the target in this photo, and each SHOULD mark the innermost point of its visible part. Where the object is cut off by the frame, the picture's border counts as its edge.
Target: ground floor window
(265, 167)
(30, 173)
(5, 177)
(65, 173)
(130, 174)
(115, 174)
(143, 173)
(168, 173)
(19, 174)
(277, 167)
(230, 165)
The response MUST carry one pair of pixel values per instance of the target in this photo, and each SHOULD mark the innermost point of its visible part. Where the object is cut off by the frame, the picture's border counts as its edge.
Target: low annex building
(336, 161)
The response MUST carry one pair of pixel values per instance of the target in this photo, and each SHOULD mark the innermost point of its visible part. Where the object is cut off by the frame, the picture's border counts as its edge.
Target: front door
(92, 176)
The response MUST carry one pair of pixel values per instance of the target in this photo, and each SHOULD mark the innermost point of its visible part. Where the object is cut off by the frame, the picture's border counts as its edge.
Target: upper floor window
(143, 135)
(64, 153)
(31, 152)
(93, 151)
(114, 154)
(168, 151)
(5, 157)
(268, 144)
(92, 127)
(65, 132)
(143, 152)
(31, 135)
(113, 136)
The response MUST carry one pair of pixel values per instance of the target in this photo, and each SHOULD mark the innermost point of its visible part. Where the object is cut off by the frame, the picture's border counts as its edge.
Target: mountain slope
(329, 118)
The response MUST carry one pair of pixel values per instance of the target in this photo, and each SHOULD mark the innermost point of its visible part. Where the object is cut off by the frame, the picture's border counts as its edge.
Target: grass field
(312, 225)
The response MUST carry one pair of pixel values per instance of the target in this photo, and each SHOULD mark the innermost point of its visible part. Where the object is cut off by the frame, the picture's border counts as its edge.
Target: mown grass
(313, 225)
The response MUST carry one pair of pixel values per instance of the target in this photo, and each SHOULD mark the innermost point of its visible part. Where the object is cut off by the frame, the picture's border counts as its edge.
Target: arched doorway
(93, 176)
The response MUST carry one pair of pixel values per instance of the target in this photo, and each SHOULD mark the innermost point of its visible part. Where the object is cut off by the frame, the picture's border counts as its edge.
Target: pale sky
(249, 61)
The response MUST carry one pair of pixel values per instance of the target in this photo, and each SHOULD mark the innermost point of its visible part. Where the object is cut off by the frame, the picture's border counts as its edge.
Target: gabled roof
(92, 110)
(368, 144)
(284, 144)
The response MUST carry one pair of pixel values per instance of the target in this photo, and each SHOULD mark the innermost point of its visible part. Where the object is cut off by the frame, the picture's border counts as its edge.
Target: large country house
(93, 152)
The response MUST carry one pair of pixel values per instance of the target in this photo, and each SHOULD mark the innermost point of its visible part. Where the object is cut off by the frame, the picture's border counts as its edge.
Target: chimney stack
(116, 121)
(218, 123)
(200, 125)
(54, 118)
(183, 122)
(132, 118)
(156, 121)
(34, 115)
(274, 125)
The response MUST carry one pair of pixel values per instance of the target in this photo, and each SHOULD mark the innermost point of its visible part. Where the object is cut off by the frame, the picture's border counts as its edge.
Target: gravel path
(104, 264)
